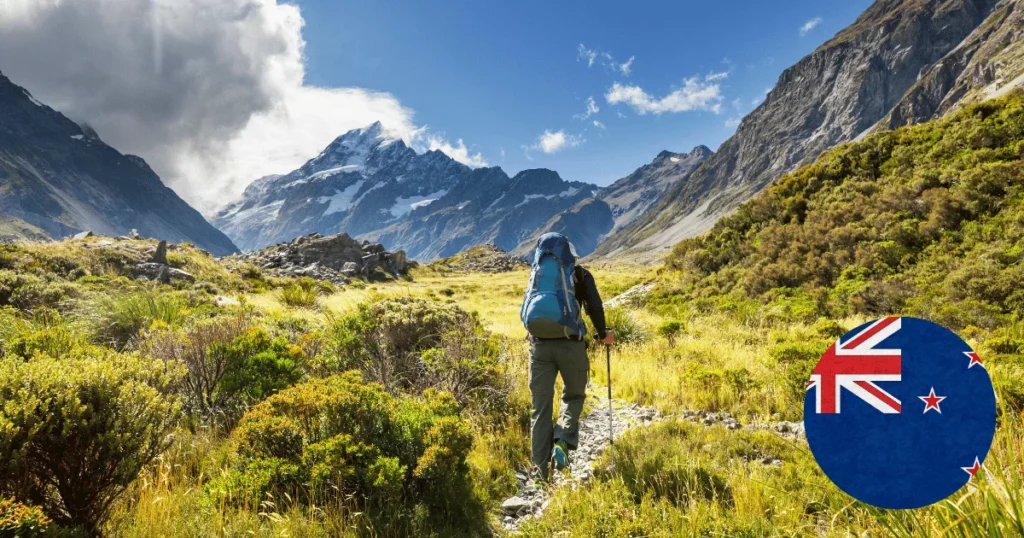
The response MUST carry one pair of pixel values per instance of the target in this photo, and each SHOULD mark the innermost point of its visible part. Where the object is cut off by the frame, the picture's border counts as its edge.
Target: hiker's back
(550, 308)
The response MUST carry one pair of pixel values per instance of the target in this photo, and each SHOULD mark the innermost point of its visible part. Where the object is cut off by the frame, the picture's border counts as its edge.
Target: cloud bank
(210, 92)
(695, 94)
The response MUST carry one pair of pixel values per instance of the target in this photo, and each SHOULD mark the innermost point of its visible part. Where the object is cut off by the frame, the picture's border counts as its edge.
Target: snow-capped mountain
(373, 186)
(58, 178)
(364, 180)
(486, 206)
(616, 206)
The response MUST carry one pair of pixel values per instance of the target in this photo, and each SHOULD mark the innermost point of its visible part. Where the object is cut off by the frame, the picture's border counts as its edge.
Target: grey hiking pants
(548, 358)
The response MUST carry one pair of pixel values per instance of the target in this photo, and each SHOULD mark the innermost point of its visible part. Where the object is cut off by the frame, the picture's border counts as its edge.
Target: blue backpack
(550, 309)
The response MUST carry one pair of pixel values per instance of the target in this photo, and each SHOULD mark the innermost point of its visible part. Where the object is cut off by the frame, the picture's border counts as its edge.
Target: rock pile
(480, 259)
(336, 258)
(634, 296)
(157, 268)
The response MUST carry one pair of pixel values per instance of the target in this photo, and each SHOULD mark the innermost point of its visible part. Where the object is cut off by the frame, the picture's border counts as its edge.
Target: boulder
(82, 235)
(162, 273)
(160, 256)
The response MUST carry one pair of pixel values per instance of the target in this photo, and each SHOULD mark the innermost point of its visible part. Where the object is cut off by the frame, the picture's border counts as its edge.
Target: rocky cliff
(889, 59)
(60, 179)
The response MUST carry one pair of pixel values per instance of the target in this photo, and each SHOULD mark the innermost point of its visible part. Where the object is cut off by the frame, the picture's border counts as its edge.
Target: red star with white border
(932, 401)
(973, 469)
(975, 359)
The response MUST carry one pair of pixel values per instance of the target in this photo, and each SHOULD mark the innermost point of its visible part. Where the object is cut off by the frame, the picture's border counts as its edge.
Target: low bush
(409, 345)
(625, 324)
(670, 329)
(298, 296)
(28, 292)
(18, 520)
(229, 364)
(402, 460)
(46, 331)
(118, 320)
(75, 432)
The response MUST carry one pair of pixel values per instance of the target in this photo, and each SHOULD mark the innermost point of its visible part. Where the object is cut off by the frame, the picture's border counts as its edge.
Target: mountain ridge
(61, 178)
(859, 76)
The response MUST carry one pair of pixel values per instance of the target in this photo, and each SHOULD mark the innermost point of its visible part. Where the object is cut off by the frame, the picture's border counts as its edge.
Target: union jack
(857, 365)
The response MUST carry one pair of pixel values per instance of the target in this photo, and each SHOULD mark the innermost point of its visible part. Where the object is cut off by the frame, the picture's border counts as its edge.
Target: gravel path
(531, 501)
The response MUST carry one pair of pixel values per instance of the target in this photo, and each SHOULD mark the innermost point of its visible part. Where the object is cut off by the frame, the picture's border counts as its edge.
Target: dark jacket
(590, 301)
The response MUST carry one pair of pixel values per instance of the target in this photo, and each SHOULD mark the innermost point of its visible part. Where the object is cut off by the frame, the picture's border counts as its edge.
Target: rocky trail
(531, 500)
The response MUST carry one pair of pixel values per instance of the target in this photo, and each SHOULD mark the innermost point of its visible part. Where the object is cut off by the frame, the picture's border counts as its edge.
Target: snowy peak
(363, 180)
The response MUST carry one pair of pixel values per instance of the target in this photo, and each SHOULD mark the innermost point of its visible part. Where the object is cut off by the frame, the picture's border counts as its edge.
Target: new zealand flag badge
(900, 413)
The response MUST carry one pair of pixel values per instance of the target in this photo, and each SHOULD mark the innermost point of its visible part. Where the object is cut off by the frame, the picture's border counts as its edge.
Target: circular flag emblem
(900, 413)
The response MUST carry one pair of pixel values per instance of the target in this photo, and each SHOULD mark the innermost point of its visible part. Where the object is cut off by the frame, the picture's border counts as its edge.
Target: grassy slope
(747, 340)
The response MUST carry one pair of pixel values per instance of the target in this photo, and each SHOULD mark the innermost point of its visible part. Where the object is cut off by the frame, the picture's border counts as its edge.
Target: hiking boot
(560, 455)
(538, 479)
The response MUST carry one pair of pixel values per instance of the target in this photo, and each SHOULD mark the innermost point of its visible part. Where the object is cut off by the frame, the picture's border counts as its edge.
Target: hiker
(558, 291)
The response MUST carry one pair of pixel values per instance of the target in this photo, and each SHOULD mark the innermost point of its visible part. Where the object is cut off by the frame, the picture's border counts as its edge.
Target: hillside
(925, 220)
(833, 95)
(59, 179)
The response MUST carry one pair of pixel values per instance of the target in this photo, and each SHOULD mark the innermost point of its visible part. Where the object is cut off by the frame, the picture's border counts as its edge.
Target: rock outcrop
(336, 258)
(480, 259)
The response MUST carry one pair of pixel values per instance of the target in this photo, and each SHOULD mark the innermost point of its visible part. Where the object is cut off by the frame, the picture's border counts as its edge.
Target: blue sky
(498, 76)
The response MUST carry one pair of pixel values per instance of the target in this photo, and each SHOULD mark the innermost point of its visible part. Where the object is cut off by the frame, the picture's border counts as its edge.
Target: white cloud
(732, 123)
(457, 151)
(599, 125)
(694, 95)
(592, 56)
(592, 109)
(737, 104)
(210, 92)
(583, 53)
(620, 114)
(628, 66)
(757, 100)
(712, 77)
(809, 25)
(554, 141)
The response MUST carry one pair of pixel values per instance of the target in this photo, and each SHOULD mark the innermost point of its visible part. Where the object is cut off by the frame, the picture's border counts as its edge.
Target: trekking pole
(611, 411)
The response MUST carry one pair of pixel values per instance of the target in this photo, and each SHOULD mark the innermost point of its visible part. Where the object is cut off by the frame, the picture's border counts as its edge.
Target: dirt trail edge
(531, 501)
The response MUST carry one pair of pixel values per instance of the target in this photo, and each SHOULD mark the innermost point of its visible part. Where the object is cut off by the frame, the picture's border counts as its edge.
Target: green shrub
(118, 320)
(411, 344)
(670, 329)
(18, 520)
(341, 439)
(792, 352)
(46, 332)
(229, 364)
(27, 292)
(828, 328)
(75, 432)
(298, 296)
(626, 326)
